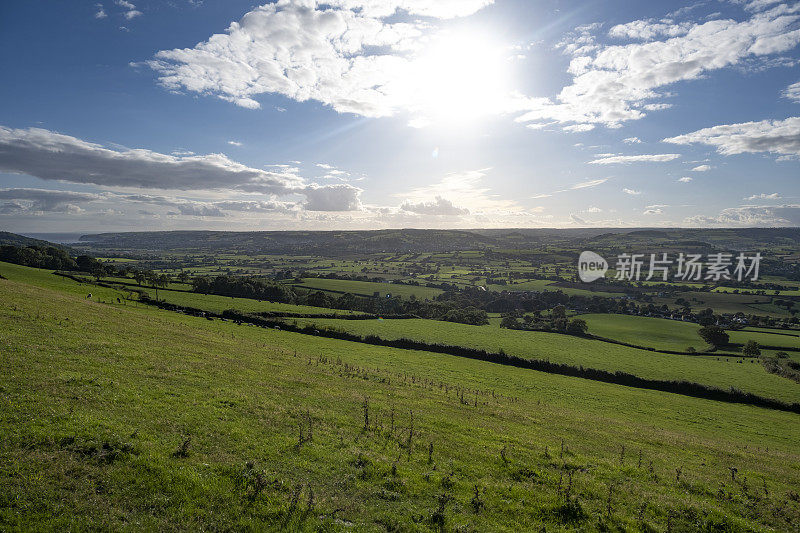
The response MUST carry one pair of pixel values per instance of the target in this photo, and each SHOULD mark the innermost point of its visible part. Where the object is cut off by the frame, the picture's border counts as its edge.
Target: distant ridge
(7, 238)
(336, 243)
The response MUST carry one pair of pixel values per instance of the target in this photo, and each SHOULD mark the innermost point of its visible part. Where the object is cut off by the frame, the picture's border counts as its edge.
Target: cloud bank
(780, 137)
(342, 53)
(613, 84)
(53, 156)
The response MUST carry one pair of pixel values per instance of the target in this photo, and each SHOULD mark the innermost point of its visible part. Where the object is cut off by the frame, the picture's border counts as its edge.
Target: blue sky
(365, 114)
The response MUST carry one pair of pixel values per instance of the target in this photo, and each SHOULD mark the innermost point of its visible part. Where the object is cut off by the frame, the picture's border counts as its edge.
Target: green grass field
(764, 339)
(717, 371)
(722, 302)
(368, 288)
(658, 333)
(98, 401)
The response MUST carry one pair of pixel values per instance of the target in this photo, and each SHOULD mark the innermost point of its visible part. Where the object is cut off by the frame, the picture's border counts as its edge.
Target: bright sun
(460, 78)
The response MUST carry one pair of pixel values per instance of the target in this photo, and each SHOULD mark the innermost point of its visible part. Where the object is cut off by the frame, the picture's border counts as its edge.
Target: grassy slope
(657, 333)
(718, 372)
(208, 302)
(93, 408)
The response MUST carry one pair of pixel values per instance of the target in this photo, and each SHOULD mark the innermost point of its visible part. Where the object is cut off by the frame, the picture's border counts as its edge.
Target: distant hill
(13, 239)
(335, 243)
(318, 242)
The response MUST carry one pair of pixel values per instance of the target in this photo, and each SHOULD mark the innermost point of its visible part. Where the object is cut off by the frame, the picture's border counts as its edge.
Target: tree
(559, 311)
(751, 349)
(162, 281)
(98, 272)
(713, 335)
(577, 327)
(87, 263)
(509, 322)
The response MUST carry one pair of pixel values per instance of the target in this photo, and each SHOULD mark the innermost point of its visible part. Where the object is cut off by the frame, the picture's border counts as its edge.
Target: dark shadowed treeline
(46, 257)
(451, 310)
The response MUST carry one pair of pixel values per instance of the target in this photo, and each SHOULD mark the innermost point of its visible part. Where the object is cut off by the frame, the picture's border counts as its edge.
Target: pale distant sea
(59, 238)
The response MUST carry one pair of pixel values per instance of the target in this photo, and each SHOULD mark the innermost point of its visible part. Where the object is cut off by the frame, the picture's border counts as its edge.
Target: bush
(714, 335)
(751, 349)
(510, 322)
(577, 327)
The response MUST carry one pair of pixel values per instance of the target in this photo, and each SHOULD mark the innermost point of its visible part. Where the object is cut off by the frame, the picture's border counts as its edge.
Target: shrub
(713, 335)
(751, 349)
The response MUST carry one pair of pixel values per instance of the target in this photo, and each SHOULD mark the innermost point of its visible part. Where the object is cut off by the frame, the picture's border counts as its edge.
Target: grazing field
(45, 278)
(658, 333)
(717, 371)
(120, 417)
(549, 285)
(218, 304)
(368, 288)
(722, 302)
(765, 339)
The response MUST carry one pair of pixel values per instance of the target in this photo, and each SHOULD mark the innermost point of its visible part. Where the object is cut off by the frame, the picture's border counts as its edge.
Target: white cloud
(131, 12)
(577, 128)
(632, 140)
(234, 143)
(22, 200)
(647, 30)
(577, 220)
(588, 184)
(750, 215)
(339, 197)
(792, 92)
(653, 211)
(578, 186)
(615, 84)
(256, 206)
(774, 136)
(217, 209)
(342, 53)
(631, 192)
(100, 13)
(685, 179)
(701, 168)
(53, 156)
(439, 207)
(756, 5)
(625, 159)
(198, 210)
(764, 196)
(462, 189)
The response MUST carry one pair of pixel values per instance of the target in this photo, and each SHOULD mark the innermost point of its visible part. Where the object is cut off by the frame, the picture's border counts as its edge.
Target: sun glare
(460, 78)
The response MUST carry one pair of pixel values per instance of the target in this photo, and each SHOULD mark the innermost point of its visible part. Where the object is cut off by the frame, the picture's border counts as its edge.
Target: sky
(127, 115)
